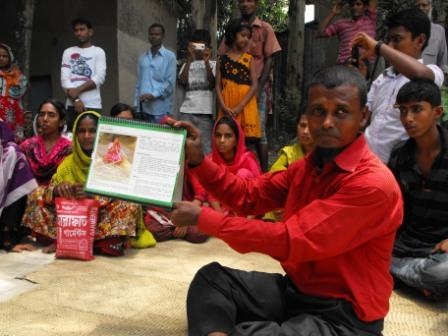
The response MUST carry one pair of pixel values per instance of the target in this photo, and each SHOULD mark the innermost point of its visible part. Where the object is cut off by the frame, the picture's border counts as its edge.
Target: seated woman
(302, 146)
(122, 111)
(17, 182)
(46, 150)
(229, 150)
(117, 219)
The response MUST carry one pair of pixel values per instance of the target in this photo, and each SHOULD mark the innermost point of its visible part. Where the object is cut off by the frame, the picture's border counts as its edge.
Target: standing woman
(116, 219)
(236, 81)
(13, 85)
(46, 150)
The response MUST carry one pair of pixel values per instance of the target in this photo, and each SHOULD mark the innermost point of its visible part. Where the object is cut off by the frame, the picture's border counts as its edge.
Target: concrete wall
(52, 33)
(133, 19)
(120, 28)
(327, 47)
(9, 22)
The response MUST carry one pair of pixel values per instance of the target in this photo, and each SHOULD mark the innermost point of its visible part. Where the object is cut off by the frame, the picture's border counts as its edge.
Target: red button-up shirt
(338, 230)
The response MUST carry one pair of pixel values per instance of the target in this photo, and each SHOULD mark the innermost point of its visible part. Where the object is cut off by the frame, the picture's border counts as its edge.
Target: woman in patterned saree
(117, 220)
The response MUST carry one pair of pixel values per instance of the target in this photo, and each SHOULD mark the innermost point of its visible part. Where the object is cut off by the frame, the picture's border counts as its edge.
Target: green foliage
(273, 11)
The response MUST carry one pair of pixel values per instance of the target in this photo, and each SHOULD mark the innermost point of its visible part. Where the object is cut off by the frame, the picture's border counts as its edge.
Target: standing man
(83, 71)
(436, 50)
(262, 46)
(336, 258)
(156, 77)
(363, 15)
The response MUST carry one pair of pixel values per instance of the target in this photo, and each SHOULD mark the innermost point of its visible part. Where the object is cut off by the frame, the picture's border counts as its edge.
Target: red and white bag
(76, 223)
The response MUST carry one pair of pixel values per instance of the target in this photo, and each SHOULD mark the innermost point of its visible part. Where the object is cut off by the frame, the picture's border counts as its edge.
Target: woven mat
(144, 293)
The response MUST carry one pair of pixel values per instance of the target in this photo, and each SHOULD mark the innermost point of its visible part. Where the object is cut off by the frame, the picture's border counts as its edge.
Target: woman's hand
(180, 231)
(228, 111)
(185, 214)
(237, 110)
(441, 247)
(71, 191)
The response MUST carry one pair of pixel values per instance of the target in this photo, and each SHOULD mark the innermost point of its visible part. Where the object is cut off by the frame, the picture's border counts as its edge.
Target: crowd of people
(356, 204)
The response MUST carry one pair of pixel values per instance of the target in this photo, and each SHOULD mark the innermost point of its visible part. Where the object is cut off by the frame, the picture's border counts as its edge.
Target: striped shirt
(425, 197)
(346, 29)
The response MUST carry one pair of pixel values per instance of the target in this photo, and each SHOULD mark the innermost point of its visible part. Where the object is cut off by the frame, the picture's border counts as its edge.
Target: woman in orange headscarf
(13, 85)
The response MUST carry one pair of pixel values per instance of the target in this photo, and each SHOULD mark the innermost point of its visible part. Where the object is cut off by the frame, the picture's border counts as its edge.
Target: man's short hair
(81, 21)
(420, 90)
(338, 75)
(157, 25)
(414, 21)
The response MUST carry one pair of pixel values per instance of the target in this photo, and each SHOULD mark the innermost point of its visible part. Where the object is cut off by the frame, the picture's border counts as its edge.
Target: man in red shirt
(363, 19)
(342, 209)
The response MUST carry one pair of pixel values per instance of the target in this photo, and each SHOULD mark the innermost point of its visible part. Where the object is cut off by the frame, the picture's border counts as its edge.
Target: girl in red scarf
(229, 150)
(13, 85)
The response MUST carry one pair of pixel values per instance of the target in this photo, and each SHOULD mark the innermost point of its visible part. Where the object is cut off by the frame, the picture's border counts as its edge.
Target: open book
(137, 161)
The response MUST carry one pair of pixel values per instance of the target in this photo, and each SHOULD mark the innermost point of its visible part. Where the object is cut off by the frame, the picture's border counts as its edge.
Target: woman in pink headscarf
(229, 150)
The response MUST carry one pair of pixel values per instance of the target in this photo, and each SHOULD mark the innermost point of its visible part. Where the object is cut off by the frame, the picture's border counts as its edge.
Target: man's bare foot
(49, 248)
(23, 247)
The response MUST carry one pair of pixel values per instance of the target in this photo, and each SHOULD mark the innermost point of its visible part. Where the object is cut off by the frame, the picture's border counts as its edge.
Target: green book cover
(137, 161)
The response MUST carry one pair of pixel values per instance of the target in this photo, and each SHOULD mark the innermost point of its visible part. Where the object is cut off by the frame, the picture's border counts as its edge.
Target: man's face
(335, 116)
(82, 33)
(419, 117)
(401, 39)
(247, 7)
(357, 8)
(155, 36)
(424, 5)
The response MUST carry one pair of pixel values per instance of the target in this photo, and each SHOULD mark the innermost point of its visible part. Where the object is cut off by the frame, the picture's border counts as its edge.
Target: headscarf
(9, 51)
(12, 75)
(75, 167)
(43, 163)
(243, 159)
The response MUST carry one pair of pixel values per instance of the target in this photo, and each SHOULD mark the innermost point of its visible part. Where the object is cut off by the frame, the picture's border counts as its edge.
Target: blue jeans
(422, 271)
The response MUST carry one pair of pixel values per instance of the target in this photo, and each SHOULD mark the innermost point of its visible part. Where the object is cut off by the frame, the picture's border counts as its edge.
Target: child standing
(236, 81)
(197, 75)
